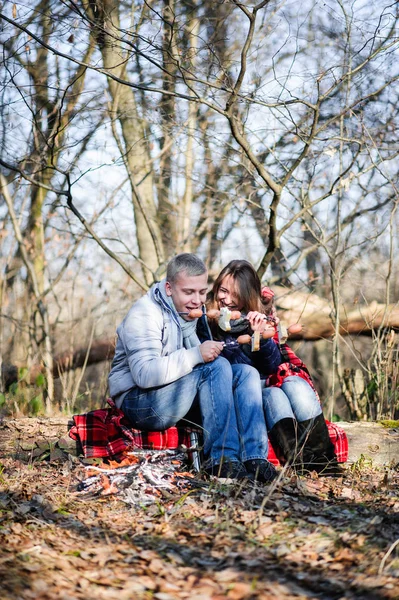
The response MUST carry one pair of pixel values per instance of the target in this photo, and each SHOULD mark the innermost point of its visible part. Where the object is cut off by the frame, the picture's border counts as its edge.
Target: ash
(152, 475)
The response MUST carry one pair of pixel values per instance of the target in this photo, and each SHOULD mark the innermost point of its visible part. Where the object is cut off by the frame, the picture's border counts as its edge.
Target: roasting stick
(195, 313)
(225, 315)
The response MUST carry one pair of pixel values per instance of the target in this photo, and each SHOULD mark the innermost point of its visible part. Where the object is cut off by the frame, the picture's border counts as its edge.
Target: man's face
(188, 292)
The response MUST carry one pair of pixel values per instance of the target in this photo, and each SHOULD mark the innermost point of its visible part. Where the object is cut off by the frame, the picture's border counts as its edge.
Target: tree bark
(137, 155)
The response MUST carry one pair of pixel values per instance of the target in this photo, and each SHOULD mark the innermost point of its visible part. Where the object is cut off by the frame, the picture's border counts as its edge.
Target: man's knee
(219, 366)
(245, 374)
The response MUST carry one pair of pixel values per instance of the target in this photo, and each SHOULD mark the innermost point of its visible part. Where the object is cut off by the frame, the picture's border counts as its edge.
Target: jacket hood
(158, 295)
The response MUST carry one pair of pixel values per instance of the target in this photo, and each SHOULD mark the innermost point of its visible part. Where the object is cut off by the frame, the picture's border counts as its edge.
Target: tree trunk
(133, 131)
(186, 203)
(170, 56)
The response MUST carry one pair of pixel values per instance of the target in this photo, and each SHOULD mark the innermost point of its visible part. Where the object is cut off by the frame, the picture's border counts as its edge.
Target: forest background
(134, 130)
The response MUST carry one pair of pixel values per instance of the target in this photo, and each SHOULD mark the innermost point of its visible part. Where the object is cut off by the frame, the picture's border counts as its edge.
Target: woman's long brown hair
(248, 287)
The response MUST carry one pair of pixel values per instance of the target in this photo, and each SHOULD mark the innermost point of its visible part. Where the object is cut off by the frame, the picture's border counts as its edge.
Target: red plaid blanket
(340, 441)
(291, 365)
(106, 432)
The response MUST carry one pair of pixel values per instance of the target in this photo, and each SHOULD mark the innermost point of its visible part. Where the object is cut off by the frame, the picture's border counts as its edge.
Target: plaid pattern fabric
(291, 365)
(107, 432)
(340, 441)
(272, 456)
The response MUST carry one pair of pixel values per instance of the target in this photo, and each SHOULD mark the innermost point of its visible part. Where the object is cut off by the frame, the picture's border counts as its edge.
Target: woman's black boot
(318, 453)
(284, 438)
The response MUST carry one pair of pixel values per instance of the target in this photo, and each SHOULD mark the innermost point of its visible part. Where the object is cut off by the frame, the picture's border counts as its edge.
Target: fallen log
(99, 351)
(370, 443)
(315, 314)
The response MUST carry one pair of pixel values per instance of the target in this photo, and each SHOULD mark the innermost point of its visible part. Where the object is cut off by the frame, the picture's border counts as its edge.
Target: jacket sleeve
(236, 355)
(141, 334)
(268, 358)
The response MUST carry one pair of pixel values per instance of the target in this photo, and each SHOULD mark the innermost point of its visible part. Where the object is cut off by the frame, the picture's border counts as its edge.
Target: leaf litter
(147, 528)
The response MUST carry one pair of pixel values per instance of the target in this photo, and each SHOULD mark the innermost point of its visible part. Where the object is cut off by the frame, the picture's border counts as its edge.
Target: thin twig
(386, 556)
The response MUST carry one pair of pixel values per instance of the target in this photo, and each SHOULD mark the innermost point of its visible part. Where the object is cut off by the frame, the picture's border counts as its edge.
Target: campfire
(141, 477)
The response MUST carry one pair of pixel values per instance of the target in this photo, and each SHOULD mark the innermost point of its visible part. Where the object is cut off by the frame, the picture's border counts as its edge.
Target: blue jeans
(251, 422)
(230, 401)
(295, 399)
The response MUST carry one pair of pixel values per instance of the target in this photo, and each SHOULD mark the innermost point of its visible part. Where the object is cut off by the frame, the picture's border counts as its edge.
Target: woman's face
(228, 294)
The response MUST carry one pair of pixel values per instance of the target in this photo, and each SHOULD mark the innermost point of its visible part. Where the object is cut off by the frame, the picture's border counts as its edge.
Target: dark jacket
(266, 360)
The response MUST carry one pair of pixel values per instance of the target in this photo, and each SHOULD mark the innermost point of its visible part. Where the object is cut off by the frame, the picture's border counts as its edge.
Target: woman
(293, 414)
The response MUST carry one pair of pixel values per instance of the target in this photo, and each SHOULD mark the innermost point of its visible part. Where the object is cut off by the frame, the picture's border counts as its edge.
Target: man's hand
(210, 350)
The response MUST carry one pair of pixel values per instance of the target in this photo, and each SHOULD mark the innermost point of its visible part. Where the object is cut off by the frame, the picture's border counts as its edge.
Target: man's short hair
(189, 263)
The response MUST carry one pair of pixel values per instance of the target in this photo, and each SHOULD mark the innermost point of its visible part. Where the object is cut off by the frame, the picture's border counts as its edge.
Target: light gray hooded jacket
(149, 350)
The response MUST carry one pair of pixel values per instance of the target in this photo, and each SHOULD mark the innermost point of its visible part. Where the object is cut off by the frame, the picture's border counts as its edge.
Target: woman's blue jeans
(230, 402)
(295, 399)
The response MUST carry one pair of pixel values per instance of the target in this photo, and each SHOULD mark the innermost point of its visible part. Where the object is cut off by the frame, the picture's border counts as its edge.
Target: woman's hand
(258, 321)
(210, 350)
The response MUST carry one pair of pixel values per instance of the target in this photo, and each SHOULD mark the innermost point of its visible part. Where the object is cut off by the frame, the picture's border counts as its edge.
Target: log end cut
(371, 441)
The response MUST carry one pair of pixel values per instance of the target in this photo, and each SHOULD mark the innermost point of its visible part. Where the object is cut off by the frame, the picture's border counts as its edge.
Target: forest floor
(302, 537)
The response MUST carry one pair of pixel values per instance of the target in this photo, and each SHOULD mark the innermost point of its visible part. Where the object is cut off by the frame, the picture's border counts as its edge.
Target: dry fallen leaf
(239, 591)
(299, 541)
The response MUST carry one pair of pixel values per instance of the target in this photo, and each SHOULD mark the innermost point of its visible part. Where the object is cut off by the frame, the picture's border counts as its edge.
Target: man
(160, 369)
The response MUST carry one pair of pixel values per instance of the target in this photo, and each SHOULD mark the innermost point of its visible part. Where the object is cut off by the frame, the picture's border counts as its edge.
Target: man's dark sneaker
(261, 470)
(228, 470)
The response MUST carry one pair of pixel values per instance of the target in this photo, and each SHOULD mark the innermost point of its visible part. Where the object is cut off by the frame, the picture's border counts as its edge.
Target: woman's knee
(302, 397)
(273, 395)
(276, 405)
(294, 382)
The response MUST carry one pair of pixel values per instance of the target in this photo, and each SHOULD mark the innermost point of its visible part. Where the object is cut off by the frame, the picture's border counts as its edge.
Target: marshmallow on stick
(224, 319)
(224, 316)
